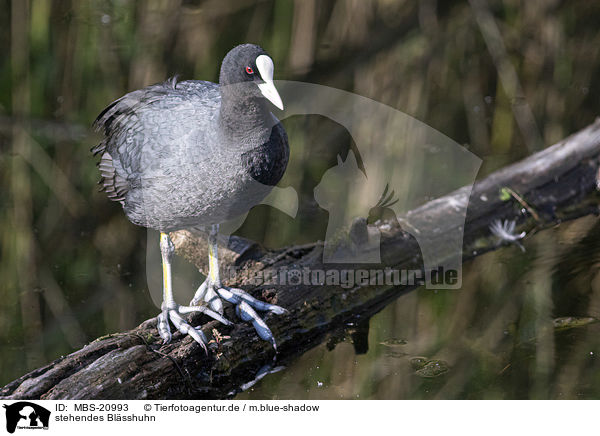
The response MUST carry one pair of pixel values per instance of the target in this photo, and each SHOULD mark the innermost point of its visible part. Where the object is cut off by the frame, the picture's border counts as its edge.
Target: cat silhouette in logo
(348, 238)
(27, 415)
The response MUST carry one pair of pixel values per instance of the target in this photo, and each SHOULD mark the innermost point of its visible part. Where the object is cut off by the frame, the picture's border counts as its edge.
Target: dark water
(493, 339)
(72, 268)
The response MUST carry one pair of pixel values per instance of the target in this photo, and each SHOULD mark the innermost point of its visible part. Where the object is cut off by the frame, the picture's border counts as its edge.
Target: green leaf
(504, 194)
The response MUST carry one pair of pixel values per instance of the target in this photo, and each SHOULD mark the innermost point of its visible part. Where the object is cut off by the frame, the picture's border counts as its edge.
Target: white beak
(265, 69)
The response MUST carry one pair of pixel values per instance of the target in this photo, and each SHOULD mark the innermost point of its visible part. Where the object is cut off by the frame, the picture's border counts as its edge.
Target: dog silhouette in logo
(26, 414)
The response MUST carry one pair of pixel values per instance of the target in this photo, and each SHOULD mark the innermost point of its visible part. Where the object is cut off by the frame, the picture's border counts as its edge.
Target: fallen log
(559, 183)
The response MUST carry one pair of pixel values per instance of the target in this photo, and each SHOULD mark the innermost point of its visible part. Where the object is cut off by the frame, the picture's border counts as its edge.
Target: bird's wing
(143, 126)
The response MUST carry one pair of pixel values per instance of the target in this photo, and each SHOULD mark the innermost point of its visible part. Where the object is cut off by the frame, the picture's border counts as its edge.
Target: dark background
(503, 78)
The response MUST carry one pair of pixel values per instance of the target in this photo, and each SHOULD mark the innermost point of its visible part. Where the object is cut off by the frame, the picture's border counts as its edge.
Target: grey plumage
(183, 154)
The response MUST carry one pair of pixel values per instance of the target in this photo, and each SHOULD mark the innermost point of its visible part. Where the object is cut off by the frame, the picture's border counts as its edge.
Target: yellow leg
(214, 281)
(167, 249)
(170, 310)
(213, 260)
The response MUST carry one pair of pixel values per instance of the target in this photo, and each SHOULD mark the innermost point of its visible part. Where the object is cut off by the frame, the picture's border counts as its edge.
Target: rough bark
(556, 184)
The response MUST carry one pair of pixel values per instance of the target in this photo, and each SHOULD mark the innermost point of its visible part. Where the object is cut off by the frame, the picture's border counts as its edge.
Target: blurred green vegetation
(504, 78)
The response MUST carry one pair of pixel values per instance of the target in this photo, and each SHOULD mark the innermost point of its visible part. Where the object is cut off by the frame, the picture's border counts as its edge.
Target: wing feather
(134, 124)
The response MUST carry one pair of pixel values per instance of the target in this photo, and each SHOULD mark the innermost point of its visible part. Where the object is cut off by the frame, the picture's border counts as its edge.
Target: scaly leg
(210, 291)
(173, 311)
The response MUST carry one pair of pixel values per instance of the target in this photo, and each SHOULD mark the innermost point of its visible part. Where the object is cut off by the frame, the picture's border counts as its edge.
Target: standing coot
(186, 154)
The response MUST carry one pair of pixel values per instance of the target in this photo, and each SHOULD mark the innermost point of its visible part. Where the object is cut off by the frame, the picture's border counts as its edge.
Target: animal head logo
(399, 164)
(26, 415)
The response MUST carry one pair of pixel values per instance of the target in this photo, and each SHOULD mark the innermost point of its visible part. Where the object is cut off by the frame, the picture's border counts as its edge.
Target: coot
(195, 154)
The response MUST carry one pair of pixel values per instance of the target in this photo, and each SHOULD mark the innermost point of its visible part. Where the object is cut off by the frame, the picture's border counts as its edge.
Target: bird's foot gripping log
(173, 311)
(211, 291)
(208, 298)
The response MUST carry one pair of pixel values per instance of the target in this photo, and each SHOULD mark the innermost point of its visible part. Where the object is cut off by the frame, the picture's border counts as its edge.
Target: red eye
(249, 70)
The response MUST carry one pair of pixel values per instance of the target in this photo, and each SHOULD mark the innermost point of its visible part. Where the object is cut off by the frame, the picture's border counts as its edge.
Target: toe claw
(201, 333)
(162, 325)
(187, 329)
(247, 313)
(199, 337)
(278, 310)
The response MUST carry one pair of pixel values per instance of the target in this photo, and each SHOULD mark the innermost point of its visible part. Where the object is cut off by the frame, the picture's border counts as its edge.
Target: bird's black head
(249, 63)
